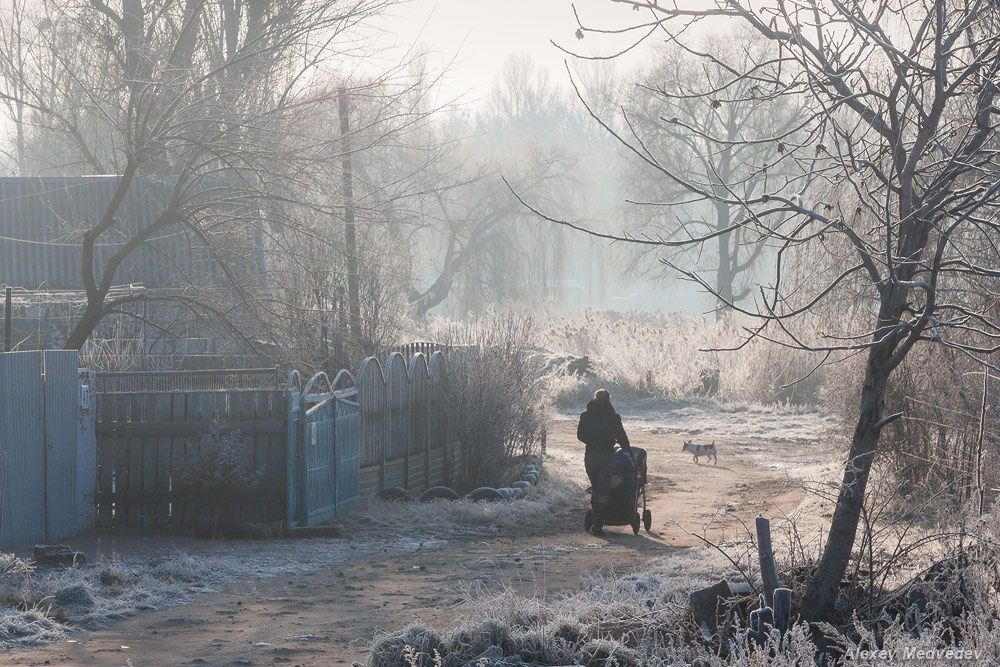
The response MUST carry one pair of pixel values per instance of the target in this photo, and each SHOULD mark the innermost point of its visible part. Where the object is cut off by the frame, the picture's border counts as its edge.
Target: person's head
(603, 397)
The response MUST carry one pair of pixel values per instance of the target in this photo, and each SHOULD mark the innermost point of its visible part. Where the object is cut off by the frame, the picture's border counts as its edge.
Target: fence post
(782, 608)
(768, 572)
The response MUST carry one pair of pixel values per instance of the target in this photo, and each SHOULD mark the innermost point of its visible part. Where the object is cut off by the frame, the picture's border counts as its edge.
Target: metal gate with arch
(324, 449)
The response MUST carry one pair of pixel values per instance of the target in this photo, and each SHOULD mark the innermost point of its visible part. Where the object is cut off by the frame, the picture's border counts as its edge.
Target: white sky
(481, 34)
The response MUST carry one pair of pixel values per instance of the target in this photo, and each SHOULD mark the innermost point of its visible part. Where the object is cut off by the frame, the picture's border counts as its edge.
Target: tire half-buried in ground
(438, 493)
(485, 494)
(395, 493)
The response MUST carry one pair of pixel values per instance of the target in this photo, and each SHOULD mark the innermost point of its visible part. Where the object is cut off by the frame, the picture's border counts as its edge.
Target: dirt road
(329, 616)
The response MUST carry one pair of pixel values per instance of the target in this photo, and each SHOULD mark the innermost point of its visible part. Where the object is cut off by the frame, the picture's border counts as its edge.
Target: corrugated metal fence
(46, 447)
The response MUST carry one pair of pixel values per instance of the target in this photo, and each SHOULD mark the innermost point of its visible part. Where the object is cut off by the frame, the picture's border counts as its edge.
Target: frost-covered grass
(444, 517)
(630, 620)
(593, 623)
(662, 355)
(42, 605)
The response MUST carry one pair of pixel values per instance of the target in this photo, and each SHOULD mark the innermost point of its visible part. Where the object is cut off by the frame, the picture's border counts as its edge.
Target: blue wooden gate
(326, 476)
(347, 451)
(318, 459)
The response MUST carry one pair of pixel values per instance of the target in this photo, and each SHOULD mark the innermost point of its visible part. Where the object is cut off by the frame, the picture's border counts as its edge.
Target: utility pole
(350, 234)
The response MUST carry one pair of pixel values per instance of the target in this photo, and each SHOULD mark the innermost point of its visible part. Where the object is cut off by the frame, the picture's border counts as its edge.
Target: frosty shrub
(633, 620)
(218, 470)
(495, 395)
(670, 356)
(932, 454)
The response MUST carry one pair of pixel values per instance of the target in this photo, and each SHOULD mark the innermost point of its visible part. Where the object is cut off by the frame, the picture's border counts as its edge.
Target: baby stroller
(627, 484)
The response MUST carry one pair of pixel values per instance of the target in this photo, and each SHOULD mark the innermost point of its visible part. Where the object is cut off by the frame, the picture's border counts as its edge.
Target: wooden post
(7, 308)
(782, 608)
(350, 235)
(768, 573)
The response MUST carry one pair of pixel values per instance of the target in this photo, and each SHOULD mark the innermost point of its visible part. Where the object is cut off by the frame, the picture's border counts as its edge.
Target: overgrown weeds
(496, 406)
(673, 357)
(642, 618)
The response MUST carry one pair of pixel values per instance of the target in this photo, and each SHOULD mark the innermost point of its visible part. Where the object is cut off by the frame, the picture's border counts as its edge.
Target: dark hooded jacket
(600, 428)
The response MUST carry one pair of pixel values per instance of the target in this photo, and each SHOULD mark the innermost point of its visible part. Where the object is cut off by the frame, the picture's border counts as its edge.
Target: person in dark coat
(600, 428)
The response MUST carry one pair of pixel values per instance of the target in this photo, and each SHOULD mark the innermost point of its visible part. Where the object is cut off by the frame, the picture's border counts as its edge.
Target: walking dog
(698, 451)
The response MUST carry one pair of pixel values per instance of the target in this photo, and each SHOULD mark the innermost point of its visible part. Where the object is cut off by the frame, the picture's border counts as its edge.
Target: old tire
(521, 484)
(531, 477)
(485, 494)
(438, 493)
(518, 492)
(395, 493)
(647, 520)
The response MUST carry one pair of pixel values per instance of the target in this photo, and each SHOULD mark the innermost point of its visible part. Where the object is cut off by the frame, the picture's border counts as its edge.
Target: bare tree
(705, 139)
(898, 166)
(188, 98)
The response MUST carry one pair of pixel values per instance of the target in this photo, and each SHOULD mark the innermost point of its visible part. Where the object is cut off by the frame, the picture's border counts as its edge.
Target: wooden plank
(164, 444)
(150, 451)
(105, 463)
(189, 428)
(138, 497)
(178, 453)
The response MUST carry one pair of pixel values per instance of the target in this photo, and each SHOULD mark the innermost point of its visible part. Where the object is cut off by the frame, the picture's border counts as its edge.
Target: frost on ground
(600, 620)
(641, 619)
(41, 605)
(771, 423)
(38, 606)
(444, 518)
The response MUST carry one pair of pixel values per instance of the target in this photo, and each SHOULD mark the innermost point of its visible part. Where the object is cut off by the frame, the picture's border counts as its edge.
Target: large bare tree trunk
(92, 315)
(820, 597)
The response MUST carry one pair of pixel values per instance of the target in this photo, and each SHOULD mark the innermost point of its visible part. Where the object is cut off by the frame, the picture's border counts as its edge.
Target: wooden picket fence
(146, 441)
(316, 445)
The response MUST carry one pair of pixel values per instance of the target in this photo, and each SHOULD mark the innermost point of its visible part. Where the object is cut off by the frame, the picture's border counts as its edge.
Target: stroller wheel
(635, 523)
(588, 520)
(647, 519)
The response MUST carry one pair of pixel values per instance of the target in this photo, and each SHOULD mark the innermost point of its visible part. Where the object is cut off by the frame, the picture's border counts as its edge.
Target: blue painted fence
(46, 447)
(354, 436)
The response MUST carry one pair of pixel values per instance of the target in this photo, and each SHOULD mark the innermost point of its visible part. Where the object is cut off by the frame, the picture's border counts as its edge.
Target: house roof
(42, 220)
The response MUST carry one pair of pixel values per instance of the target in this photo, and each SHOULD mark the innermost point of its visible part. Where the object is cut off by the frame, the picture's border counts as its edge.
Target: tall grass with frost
(675, 356)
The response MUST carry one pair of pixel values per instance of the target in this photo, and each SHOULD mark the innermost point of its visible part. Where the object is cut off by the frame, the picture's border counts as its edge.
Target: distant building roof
(42, 220)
